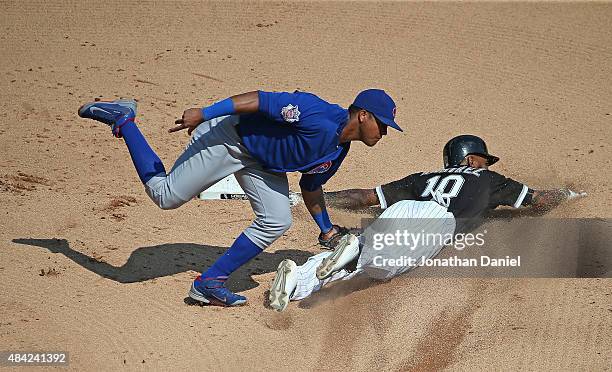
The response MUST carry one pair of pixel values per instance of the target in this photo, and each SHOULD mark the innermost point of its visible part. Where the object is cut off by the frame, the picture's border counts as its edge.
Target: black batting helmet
(459, 147)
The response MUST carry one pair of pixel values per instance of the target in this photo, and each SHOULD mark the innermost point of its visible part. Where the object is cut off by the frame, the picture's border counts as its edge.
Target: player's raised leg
(119, 115)
(213, 153)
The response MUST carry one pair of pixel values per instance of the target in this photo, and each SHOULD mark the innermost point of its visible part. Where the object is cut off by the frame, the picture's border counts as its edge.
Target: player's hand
(330, 239)
(575, 194)
(190, 120)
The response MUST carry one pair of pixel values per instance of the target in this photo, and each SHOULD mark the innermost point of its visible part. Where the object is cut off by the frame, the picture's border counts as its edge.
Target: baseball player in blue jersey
(258, 137)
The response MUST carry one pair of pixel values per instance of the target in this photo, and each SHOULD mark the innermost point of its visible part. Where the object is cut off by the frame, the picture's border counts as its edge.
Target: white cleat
(345, 252)
(283, 285)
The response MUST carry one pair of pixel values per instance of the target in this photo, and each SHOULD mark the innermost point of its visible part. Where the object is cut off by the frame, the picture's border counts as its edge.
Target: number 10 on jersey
(435, 185)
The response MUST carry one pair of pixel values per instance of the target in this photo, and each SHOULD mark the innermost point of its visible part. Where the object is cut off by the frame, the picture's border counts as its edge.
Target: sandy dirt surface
(90, 266)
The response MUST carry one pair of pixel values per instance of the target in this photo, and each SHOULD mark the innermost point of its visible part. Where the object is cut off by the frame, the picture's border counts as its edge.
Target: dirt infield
(90, 266)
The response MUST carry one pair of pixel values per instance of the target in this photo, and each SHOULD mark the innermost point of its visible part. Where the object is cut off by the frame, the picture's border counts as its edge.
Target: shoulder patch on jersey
(290, 113)
(321, 168)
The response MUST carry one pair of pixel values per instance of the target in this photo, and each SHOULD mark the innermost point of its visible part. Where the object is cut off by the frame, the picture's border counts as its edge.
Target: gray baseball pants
(215, 151)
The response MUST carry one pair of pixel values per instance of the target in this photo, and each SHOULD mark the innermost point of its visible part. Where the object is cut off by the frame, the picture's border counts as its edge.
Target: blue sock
(323, 221)
(237, 255)
(145, 160)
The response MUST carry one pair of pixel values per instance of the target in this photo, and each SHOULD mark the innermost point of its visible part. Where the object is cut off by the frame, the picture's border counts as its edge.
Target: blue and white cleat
(113, 113)
(344, 253)
(213, 291)
(284, 285)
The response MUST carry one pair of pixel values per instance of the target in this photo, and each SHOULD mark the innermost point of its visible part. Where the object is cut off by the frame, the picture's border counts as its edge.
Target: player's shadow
(157, 261)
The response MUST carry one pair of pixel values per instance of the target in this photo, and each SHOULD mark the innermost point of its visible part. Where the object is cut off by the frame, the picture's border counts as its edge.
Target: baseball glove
(334, 239)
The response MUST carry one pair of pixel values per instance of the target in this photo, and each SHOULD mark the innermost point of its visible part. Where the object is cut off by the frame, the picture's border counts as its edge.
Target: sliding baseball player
(442, 202)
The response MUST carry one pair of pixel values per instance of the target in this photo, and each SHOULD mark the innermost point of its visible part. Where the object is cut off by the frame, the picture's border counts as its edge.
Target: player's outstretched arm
(352, 198)
(545, 200)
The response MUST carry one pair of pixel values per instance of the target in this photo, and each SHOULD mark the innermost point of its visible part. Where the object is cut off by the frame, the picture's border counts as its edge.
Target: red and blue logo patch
(321, 168)
(290, 113)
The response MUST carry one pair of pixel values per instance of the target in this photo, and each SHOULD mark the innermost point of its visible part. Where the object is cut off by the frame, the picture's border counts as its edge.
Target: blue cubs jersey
(295, 132)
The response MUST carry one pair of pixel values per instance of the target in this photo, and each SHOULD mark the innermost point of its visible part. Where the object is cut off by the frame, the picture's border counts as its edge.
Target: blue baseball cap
(377, 102)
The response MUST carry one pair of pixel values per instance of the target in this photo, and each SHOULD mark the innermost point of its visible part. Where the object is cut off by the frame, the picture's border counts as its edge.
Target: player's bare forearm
(352, 198)
(246, 103)
(546, 200)
(315, 203)
(313, 200)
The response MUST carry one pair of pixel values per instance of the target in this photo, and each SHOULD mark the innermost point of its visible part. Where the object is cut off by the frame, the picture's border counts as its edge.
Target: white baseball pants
(416, 217)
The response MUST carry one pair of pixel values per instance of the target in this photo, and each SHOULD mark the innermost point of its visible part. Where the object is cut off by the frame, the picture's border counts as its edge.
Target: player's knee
(270, 228)
(166, 203)
(264, 232)
(168, 206)
(286, 225)
(163, 200)
(278, 226)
